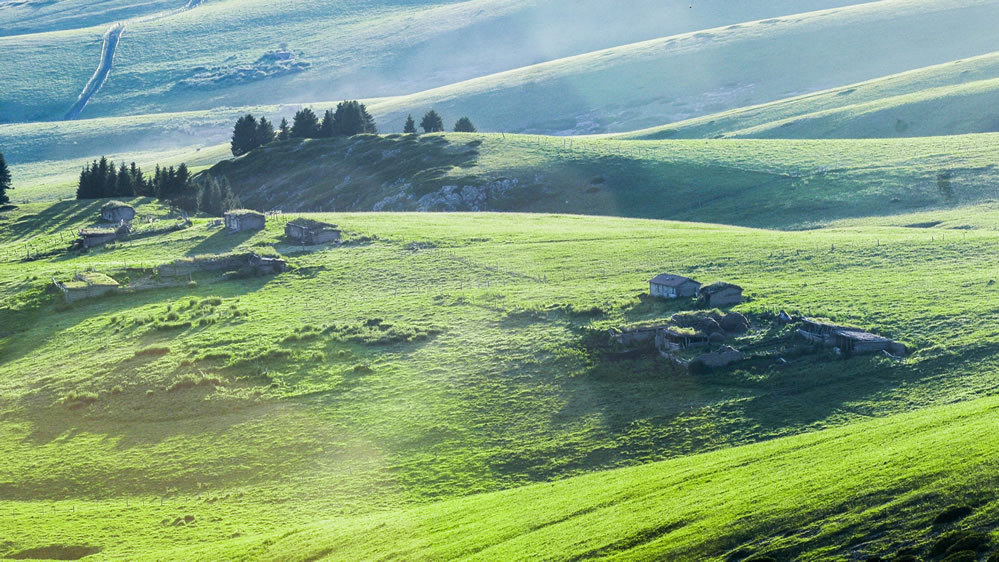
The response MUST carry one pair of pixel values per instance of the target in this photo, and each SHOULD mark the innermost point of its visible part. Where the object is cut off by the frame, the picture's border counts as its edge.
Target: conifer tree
(284, 132)
(123, 186)
(305, 125)
(5, 182)
(265, 132)
(464, 125)
(244, 135)
(327, 126)
(410, 127)
(432, 122)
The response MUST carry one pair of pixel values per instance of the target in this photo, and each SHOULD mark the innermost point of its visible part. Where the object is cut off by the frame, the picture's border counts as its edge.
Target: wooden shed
(244, 219)
(310, 232)
(846, 339)
(670, 286)
(92, 237)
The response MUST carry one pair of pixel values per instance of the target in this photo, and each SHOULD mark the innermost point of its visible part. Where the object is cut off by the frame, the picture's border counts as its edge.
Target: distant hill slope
(953, 98)
(243, 52)
(769, 183)
(684, 76)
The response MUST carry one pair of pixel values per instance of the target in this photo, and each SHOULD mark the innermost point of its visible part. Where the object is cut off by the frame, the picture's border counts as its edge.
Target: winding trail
(111, 39)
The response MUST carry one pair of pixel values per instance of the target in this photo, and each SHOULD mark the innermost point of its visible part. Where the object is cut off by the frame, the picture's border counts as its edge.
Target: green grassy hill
(772, 183)
(872, 489)
(433, 356)
(952, 98)
(332, 48)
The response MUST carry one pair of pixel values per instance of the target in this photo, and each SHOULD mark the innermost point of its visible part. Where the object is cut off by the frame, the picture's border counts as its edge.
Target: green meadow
(433, 357)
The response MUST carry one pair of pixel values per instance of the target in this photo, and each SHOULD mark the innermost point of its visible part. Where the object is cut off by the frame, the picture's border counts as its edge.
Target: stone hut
(91, 237)
(244, 219)
(723, 357)
(671, 286)
(309, 232)
(117, 212)
(721, 294)
(669, 339)
(87, 285)
(846, 339)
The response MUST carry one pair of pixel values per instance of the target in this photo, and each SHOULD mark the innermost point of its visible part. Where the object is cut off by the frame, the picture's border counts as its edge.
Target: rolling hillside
(953, 98)
(435, 356)
(773, 183)
(244, 52)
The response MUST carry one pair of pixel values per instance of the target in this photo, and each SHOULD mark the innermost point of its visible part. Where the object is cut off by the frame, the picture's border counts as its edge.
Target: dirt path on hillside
(112, 37)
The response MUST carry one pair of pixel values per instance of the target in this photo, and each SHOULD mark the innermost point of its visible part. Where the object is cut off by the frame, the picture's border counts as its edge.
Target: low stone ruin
(87, 285)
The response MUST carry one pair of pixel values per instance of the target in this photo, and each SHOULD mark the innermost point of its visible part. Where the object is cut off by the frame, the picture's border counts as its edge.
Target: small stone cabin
(721, 294)
(244, 219)
(668, 339)
(848, 340)
(670, 286)
(309, 232)
(117, 212)
(91, 237)
(87, 285)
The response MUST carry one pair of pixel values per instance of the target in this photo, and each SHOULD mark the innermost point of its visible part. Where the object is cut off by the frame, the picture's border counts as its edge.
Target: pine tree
(352, 118)
(4, 181)
(326, 128)
(305, 125)
(432, 122)
(410, 127)
(215, 196)
(265, 132)
(244, 135)
(464, 125)
(124, 187)
(284, 133)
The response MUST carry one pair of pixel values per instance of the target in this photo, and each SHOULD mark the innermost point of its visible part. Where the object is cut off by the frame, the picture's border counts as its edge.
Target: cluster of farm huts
(306, 232)
(118, 217)
(710, 329)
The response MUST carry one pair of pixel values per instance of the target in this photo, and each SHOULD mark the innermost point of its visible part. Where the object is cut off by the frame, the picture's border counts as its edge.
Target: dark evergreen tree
(327, 126)
(432, 122)
(464, 125)
(410, 127)
(284, 133)
(5, 183)
(215, 196)
(265, 132)
(305, 124)
(124, 187)
(244, 135)
(352, 118)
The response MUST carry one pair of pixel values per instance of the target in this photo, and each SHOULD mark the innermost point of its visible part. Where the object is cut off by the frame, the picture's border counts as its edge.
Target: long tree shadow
(220, 242)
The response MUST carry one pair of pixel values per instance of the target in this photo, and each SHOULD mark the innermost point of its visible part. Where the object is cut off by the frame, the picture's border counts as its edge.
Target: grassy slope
(869, 489)
(956, 97)
(771, 183)
(353, 46)
(300, 425)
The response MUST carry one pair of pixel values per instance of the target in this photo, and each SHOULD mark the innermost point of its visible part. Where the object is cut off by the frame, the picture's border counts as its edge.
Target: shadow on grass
(220, 242)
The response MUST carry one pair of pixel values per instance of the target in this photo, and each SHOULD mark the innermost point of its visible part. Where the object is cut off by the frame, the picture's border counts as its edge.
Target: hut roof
(245, 212)
(312, 224)
(719, 287)
(671, 280)
(860, 335)
(115, 205)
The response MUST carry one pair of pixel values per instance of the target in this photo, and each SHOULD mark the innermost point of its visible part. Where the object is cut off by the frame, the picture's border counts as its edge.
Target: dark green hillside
(753, 183)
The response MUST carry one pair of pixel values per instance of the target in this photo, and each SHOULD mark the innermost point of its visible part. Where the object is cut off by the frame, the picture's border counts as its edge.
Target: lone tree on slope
(432, 122)
(284, 132)
(326, 128)
(305, 125)
(244, 135)
(265, 132)
(4, 181)
(410, 128)
(352, 118)
(464, 125)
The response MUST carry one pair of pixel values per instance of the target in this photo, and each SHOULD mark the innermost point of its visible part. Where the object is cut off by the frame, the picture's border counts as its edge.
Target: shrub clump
(79, 399)
(155, 351)
(192, 381)
(953, 513)
(954, 542)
